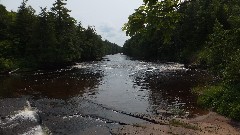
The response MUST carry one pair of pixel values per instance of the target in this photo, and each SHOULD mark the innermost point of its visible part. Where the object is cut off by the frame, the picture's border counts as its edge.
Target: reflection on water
(93, 96)
(63, 84)
(145, 87)
(172, 87)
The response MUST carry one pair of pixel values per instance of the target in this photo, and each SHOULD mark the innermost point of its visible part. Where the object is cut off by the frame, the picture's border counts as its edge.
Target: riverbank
(210, 124)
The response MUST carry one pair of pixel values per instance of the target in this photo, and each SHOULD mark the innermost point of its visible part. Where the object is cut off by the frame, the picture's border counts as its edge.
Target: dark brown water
(93, 97)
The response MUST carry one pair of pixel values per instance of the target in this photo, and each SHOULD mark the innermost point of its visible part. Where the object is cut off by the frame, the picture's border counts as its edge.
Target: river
(95, 97)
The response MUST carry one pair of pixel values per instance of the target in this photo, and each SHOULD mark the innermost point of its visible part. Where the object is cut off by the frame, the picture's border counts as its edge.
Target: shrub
(223, 98)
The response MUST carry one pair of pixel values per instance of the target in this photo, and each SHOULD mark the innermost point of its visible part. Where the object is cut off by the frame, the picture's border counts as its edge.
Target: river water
(95, 97)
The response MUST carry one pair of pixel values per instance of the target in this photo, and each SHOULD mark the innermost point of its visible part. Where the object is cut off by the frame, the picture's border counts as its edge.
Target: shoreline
(209, 124)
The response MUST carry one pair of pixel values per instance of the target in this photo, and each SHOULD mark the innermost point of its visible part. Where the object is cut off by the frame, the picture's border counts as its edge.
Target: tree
(152, 28)
(93, 45)
(111, 48)
(7, 49)
(154, 16)
(43, 44)
(65, 29)
(23, 29)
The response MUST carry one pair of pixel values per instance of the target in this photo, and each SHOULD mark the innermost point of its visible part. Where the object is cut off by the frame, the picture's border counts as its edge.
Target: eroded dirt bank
(210, 124)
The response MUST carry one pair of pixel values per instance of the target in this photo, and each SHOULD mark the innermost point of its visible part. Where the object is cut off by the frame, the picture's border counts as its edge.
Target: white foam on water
(140, 67)
(172, 67)
(23, 115)
(29, 105)
(107, 68)
(26, 114)
(37, 130)
(83, 65)
(151, 69)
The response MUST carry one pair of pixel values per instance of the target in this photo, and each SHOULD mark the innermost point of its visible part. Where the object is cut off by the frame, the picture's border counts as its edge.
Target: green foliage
(93, 45)
(6, 44)
(111, 48)
(184, 26)
(65, 32)
(50, 39)
(225, 99)
(221, 53)
(178, 123)
(160, 16)
(5, 48)
(6, 65)
(23, 28)
(5, 23)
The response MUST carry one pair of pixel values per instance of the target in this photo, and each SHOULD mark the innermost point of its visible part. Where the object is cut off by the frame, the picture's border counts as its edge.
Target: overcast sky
(108, 16)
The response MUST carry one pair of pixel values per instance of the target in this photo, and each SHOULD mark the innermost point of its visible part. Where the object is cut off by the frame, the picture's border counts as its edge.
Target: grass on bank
(222, 98)
(178, 123)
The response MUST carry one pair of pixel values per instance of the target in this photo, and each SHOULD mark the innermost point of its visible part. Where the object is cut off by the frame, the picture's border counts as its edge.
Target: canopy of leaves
(154, 16)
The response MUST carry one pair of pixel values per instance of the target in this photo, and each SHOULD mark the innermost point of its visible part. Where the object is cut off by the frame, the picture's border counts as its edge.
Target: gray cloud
(112, 33)
(106, 28)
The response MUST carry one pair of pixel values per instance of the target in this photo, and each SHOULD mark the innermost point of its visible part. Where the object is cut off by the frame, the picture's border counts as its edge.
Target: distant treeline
(50, 39)
(195, 32)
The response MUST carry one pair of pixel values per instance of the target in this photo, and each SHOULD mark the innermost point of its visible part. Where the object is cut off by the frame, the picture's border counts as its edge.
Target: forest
(50, 39)
(198, 33)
